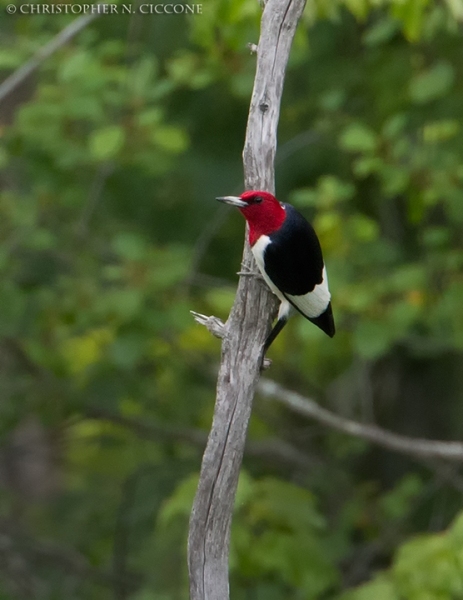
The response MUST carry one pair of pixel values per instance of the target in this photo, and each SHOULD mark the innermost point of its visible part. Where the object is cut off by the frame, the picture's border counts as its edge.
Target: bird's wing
(292, 257)
(314, 303)
(292, 264)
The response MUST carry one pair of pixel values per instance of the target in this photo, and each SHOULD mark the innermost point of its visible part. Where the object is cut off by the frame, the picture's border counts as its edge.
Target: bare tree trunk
(246, 328)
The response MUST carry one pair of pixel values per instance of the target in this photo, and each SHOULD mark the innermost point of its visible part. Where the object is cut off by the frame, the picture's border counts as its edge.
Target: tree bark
(246, 328)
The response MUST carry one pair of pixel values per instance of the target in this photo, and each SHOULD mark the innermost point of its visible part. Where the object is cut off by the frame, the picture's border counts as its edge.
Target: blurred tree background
(111, 155)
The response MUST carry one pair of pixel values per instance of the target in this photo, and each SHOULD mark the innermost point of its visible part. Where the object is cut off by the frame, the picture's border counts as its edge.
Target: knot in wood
(263, 107)
(253, 48)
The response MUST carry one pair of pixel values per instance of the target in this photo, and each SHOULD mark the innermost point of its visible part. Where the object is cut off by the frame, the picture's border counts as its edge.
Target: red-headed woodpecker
(288, 254)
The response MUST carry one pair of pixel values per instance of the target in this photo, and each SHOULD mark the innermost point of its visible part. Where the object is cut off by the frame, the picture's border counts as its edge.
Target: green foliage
(428, 567)
(106, 143)
(431, 84)
(110, 158)
(278, 535)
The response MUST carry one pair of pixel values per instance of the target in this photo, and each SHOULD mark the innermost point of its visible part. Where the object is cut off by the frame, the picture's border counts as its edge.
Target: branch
(62, 38)
(246, 328)
(219, 329)
(150, 430)
(307, 407)
(213, 324)
(418, 447)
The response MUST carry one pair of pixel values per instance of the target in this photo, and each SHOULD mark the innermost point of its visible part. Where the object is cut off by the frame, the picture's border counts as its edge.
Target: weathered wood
(246, 328)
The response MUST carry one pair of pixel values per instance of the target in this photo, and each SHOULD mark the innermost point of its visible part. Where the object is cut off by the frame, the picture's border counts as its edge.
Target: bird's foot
(266, 364)
(247, 272)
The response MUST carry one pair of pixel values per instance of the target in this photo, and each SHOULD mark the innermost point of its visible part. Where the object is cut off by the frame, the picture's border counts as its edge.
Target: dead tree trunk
(246, 328)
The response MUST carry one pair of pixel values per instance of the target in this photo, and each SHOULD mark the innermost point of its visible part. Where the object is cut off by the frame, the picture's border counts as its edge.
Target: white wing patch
(315, 302)
(258, 250)
(311, 305)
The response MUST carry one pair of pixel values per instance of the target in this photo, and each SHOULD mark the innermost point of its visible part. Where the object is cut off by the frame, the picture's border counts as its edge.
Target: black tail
(325, 321)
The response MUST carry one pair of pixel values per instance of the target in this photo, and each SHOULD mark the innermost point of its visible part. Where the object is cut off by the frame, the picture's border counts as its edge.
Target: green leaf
(381, 588)
(394, 125)
(440, 131)
(432, 83)
(358, 8)
(436, 236)
(149, 117)
(179, 503)
(75, 66)
(397, 502)
(170, 138)
(107, 142)
(130, 246)
(142, 76)
(426, 567)
(381, 32)
(10, 59)
(412, 14)
(363, 228)
(333, 100)
(357, 137)
(287, 504)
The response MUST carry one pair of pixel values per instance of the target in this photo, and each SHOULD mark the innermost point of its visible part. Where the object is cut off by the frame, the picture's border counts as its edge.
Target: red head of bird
(262, 211)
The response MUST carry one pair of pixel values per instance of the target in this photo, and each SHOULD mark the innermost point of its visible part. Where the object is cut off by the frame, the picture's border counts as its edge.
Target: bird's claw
(249, 274)
(266, 364)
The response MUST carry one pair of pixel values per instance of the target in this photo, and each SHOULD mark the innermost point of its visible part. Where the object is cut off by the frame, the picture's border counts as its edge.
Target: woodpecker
(289, 256)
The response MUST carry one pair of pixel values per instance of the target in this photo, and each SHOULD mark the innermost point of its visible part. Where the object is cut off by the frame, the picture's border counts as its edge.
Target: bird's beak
(233, 201)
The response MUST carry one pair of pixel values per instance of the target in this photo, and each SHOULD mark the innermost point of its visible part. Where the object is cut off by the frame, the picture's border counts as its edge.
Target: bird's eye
(257, 199)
